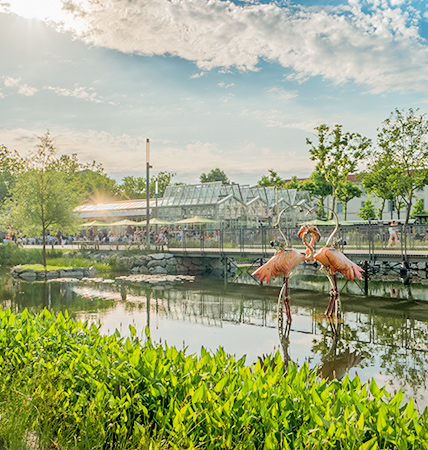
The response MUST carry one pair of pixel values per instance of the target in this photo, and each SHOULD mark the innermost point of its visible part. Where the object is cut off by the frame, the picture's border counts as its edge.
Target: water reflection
(381, 338)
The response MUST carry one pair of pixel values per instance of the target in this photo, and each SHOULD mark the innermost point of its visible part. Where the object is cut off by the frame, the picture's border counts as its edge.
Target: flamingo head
(302, 231)
(312, 229)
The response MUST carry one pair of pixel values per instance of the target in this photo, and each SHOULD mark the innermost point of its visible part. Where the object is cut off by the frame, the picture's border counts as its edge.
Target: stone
(156, 263)
(143, 270)
(158, 270)
(28, 275)
(422, 274)
(197, 261)
(135, 270)
(422, 265)
(182, 270)
(171, 268)
(158, 256)
(92, 272)
(185, 261)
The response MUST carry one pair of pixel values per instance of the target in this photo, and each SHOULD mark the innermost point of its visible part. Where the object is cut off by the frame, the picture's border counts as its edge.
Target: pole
(148, 193)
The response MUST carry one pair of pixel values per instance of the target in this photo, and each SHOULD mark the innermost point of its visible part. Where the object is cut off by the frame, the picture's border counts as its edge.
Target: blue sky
(234, 85)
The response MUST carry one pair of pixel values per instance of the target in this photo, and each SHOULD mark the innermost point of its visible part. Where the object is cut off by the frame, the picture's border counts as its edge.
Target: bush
(77, 388)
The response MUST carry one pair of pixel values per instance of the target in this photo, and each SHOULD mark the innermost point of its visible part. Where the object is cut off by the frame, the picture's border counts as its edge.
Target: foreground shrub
(79, 389)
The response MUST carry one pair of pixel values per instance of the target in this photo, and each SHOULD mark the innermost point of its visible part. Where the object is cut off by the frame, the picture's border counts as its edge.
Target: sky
(238, 85)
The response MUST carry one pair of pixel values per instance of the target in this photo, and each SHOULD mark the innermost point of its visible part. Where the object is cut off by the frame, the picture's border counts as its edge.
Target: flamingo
(332, 261)
(281, 264)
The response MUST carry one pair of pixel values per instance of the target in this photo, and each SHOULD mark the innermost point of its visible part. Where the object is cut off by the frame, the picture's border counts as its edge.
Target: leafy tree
(10, 165)
(42, 198)
(95, 184)
(418, 208)
(404, 138)
(367, 211)
(135, 187)
(337, 155)
(319, 188)
(381, 179)
(273, 179)
(215, 175)
(346, 192)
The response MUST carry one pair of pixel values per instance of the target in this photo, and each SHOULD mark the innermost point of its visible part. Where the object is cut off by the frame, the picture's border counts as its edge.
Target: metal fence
(370, 237)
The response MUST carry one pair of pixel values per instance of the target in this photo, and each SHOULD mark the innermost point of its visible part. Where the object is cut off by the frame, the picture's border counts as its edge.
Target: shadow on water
(381, 338)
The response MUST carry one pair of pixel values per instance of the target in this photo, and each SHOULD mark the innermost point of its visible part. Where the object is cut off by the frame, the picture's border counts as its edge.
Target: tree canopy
(215, 175)
(43, 199)
(403, 148)
(337, 155)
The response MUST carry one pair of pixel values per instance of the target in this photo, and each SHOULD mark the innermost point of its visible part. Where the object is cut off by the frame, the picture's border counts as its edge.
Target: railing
(370, 237)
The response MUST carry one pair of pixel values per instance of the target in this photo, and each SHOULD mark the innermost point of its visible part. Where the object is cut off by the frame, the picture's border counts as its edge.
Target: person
(393, 234)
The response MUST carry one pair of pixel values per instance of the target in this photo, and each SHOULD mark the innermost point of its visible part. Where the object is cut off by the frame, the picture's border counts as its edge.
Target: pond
(386, 339)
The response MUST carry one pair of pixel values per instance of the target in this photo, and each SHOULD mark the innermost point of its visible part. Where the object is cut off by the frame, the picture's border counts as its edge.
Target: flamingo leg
(332, 306)
(333, 289)
(286, 299)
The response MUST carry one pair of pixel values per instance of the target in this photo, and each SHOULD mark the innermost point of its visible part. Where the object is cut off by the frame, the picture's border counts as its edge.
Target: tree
(319, 188)
(337, 155)
(10, 165)
(135, 187)
(346, 192)
(95, 184)
(273, 179)
(215, 175)
(367, 211)
(418, 208)
(404, 138)
(42, 198)
(381, 179)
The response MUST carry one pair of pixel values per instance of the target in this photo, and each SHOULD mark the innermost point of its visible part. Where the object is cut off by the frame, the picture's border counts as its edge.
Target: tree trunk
(44, 248)
(345, 210)
(381, 209)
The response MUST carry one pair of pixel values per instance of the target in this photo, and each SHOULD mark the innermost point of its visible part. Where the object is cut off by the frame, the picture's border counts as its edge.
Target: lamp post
(148, 167)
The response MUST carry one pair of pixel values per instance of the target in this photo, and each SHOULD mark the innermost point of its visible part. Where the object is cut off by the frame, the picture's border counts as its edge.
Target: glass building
(231, 206)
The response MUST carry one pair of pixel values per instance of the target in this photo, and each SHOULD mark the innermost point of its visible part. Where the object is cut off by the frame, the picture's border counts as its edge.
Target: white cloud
(27, 90)
(339, 44)
(82, 93)
(283, 94)
(23, 89)
(226, 85)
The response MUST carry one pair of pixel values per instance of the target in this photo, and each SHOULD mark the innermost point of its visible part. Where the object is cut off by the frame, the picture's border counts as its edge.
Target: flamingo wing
(282, 263)
(336, 261)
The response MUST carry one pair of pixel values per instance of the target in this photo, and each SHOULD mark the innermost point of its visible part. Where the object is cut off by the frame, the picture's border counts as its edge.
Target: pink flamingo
(281, 264)
(332, 261)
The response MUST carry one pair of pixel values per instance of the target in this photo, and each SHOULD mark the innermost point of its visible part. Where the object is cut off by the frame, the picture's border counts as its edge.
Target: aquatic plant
(73, 387)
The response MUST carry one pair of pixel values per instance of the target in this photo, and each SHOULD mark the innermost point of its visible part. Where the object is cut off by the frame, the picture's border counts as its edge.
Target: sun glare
(46, 10)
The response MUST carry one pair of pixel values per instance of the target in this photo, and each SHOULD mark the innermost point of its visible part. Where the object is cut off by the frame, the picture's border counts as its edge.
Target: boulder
(28, 275)
(158, 256)
(156, 263)
(158, 270)
(92, 272)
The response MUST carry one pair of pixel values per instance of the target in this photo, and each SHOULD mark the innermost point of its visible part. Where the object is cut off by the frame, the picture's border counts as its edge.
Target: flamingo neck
(309, 246)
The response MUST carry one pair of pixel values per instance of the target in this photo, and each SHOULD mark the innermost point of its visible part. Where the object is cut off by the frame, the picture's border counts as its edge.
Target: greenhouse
(232, 205)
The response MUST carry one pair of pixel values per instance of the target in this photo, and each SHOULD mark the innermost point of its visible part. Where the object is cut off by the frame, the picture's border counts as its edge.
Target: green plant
(81, 389)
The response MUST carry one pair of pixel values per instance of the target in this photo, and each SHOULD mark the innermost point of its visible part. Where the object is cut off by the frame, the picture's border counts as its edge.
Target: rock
(158, 256)
(186, 261)
(182, 270)
(67, 254)
(156, 263)
(135, 270)
(144, 270)
(197, 261)
(92, 272)
(422, 265)
(158, 271)
(28, 275)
